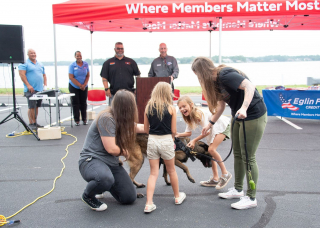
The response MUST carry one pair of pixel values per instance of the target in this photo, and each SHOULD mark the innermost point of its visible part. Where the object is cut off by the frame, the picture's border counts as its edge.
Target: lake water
(266, 73)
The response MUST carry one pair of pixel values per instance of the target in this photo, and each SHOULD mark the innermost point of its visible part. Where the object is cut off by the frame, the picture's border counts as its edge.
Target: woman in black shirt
(223, 85)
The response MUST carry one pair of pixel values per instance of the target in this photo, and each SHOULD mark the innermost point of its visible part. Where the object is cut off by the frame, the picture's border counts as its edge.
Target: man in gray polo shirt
(164, 66)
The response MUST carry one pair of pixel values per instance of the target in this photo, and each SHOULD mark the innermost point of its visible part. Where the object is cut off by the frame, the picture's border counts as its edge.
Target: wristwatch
(211, 122)
(106, 89)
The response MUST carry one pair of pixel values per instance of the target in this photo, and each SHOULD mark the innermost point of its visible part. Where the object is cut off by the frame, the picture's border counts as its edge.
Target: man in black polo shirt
(119, 72)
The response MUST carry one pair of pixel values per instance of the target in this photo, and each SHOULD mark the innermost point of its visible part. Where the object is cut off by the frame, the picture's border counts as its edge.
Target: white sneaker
(100, 196)
(180, 199)
(232, 193)
(244, 203)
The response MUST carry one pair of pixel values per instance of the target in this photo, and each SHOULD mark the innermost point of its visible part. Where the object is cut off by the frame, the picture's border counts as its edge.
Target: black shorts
(32, 103)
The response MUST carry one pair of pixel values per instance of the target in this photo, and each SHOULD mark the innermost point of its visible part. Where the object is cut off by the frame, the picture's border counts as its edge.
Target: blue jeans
(101, 178)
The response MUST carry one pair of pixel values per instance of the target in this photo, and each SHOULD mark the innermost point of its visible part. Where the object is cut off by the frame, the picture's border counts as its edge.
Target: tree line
(225, 59)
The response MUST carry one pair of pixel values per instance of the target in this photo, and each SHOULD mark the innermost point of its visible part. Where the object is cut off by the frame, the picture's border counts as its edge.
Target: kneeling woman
(110, 135)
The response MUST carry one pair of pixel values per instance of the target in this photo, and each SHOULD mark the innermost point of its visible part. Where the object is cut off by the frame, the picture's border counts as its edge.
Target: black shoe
(93, 203)
(32, 126)
(38, 125)
(85, 122)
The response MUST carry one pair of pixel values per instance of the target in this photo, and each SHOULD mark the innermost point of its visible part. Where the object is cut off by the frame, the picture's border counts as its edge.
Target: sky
(36, 18)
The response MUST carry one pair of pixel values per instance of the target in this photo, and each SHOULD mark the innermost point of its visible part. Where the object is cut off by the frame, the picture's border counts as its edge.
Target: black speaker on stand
(12, 51)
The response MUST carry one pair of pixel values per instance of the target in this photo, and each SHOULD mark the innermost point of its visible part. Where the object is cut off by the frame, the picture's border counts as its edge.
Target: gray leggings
(254, 131)
(101, 178)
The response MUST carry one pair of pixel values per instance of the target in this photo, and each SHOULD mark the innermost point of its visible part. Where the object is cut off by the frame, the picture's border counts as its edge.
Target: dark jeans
(79, 103)
(101, 178)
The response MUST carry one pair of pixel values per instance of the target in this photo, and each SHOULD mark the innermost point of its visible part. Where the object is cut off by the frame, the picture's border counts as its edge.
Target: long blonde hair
(161, 98)
(196, 114)
(125, 114)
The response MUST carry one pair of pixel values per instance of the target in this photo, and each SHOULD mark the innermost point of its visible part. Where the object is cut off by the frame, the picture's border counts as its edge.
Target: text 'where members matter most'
(206, 7)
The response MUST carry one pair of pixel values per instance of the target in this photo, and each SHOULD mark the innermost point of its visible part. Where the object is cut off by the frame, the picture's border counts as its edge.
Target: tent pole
(220, 31)
(210, 44)
(91, 73)
(56, 74)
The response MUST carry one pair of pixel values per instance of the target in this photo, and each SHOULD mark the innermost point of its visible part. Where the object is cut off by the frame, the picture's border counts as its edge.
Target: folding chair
(96, 97)
(176, 94)
(204, 99)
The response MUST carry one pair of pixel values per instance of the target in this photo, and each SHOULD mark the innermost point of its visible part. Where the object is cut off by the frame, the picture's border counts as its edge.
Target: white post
(56, 74)
(91, 73)
(210, 45)
(220, 31)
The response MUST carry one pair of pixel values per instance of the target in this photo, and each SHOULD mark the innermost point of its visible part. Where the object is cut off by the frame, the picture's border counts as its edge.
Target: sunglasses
(119, 48)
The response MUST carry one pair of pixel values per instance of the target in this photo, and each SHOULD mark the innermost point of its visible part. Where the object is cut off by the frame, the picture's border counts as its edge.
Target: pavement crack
(272, 205)
(268, 211)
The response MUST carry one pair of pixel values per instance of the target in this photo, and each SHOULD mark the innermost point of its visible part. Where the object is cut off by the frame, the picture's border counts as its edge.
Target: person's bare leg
(154, 172)
(213, 151)
(31, 116)
(36, 114)
(171, 169)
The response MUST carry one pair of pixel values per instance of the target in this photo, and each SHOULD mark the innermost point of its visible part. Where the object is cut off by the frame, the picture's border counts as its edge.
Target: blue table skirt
(293, 103)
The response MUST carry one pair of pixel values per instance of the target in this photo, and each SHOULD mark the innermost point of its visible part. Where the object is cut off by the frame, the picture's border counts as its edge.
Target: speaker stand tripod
(14, 114)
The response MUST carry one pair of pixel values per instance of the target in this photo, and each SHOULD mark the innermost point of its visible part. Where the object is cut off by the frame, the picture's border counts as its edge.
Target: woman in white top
(219, 132)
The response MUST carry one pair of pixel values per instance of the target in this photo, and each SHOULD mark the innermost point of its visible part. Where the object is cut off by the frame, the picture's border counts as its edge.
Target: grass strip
(192, 90)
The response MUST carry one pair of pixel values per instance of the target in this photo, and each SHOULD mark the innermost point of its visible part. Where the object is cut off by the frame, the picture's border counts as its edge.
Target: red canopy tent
(186, 16)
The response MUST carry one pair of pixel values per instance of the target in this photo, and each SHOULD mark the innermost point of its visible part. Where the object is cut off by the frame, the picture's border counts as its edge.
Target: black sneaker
(38, 125)
(32, 126)
(93, 203)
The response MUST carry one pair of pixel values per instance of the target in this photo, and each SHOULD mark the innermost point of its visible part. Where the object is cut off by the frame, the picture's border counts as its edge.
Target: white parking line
(2, 110)
(290, 123)
(19, 104)
(68, 118)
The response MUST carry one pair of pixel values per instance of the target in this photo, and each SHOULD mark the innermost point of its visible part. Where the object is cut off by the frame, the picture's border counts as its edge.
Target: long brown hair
(124, 112)
(196, 114)
(204, 68)
(161, 98)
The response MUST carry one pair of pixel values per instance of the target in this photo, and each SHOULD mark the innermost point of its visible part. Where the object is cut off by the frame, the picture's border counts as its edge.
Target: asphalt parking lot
(288, 191)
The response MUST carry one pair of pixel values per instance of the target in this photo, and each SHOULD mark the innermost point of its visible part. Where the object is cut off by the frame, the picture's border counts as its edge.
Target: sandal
(149, 208)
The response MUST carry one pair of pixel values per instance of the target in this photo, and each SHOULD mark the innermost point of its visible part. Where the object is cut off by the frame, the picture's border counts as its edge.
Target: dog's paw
(191, 180)
(140, 195)
(141, 186)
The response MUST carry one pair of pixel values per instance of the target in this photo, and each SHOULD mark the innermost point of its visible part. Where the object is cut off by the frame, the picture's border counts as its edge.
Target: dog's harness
(208, 157)
(180, 146)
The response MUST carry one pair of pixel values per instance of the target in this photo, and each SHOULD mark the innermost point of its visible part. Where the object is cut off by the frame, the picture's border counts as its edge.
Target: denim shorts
(32, 103)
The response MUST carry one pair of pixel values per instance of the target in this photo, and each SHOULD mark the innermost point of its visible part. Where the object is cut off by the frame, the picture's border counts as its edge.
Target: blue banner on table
(293, 103)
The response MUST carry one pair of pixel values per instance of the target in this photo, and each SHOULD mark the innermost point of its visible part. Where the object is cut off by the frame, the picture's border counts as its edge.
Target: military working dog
(136, 159)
